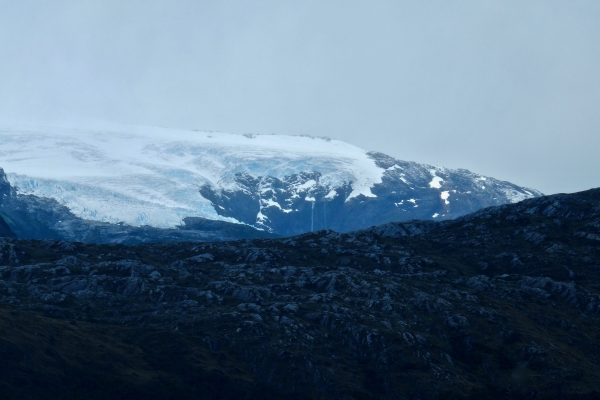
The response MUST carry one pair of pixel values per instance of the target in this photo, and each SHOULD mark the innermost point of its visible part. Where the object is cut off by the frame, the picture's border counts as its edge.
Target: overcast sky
(509, 89)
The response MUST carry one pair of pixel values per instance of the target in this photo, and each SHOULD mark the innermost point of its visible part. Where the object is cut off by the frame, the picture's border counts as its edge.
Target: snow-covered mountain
(283, 184)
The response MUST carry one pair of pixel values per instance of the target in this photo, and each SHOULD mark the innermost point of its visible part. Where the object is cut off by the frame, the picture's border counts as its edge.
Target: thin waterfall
(312, 217)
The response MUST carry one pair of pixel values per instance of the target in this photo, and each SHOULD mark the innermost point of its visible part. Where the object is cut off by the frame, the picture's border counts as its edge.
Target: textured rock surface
(302, 203)
(503, 303)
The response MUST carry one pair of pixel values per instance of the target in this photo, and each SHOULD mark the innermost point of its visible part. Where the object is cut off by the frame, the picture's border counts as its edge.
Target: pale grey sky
(505, 88)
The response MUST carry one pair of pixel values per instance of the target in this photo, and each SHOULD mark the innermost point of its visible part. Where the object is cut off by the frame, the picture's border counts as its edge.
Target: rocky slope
(503, 303)
(281, 184)
(301, 203)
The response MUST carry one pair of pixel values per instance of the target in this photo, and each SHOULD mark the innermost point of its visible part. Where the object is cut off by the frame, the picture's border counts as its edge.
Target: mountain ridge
(281, 184)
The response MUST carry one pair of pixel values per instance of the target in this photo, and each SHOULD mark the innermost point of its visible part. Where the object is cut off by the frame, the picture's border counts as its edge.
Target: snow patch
(331, 195)
(266, 203)
(261, 218)
(309, 184)
(515, 196)
(445, 195)
(436, 181)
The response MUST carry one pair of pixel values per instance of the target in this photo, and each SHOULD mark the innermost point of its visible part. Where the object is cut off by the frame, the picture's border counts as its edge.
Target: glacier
(152, 176)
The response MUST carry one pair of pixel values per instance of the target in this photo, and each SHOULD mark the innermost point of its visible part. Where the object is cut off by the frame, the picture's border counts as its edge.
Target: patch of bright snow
(309, 184)
(436, 181)
(331, 195)
(445, 195)
(515, 196)
(265, 203)
(261, 218)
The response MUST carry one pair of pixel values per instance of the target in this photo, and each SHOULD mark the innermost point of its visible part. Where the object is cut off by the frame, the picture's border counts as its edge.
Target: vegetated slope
(281, 184)
(503, 303)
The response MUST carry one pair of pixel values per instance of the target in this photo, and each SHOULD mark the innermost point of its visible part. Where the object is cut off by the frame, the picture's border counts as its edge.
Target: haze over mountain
(507, 88)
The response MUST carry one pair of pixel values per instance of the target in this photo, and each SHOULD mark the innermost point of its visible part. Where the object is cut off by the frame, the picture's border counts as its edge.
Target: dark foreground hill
(501, 304)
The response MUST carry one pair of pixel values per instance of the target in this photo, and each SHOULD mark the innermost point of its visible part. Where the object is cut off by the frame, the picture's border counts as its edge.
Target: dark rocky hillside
(500, 304)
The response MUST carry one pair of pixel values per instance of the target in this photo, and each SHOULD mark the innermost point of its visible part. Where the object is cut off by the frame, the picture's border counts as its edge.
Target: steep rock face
(5, 230)
(302, 203)
(32, 217)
